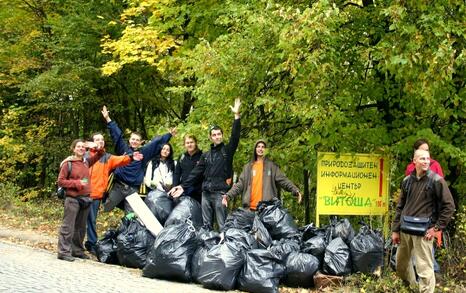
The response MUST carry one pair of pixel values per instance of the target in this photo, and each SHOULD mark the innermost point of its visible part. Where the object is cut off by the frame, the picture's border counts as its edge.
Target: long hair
(169, 160)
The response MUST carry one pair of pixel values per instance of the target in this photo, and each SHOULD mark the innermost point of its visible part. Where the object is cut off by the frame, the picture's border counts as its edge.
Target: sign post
(352, 184)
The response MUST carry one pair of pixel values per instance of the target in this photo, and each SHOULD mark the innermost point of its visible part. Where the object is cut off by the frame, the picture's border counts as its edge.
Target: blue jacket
(133, 174)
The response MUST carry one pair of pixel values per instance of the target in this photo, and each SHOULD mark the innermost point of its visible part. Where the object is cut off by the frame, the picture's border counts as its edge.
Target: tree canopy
(343, 76)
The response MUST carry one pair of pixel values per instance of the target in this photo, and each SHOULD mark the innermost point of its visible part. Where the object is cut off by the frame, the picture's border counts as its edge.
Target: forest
(313, 76)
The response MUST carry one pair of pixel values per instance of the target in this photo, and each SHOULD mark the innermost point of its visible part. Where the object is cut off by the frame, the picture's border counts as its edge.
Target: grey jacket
(272, 177)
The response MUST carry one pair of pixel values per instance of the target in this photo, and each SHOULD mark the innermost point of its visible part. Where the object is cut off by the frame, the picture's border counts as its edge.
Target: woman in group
(159, 172)
(186, 164)
(158, 180)
(77, 200)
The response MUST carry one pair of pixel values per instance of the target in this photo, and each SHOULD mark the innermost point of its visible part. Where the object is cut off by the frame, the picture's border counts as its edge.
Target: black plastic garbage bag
(170, 256)
(277, 220)
(284, 247)
(160, 204)
(315, 246)
(300, 269)
(106, 248)
(337, 260)
(240, 219)
(367, 250)
(343, 229)
(261, 272)
(309, 231)
(133, 243)
(187, 208)
(221, 265)
(207, 239)
(241, 238)
(260, 233)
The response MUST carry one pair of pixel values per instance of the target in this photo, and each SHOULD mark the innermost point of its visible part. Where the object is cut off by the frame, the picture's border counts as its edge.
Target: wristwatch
(436, 228)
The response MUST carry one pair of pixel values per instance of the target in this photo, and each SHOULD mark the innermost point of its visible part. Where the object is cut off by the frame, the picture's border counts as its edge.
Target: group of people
(204, 176)
(207, 177)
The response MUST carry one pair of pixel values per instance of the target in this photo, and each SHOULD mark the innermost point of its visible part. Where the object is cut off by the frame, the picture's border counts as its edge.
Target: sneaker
(65, 257)
(81, 256)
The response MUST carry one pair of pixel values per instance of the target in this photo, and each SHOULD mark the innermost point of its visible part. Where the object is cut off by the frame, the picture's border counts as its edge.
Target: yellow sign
(352, 184)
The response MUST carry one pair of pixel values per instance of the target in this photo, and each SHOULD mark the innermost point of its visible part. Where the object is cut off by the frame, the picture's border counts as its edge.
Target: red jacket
(434, 166)
(101, 170)
(79, 171)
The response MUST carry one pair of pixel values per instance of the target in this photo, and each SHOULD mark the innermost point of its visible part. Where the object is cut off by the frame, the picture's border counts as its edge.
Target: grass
(44, 216)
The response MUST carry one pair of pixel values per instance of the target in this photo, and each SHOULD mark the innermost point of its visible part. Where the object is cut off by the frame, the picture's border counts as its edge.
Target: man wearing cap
(215, 168)
(259, 180)
(424, 198)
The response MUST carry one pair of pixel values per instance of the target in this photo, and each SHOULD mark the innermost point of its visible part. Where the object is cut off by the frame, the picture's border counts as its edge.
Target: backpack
(61, 191)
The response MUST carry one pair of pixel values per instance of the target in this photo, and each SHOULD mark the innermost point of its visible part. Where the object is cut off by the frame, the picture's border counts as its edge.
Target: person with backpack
(99, 174)
(128, 179)
(425, 207)
(259, 180)
(74, 178)
(215, 169)
(186, 163)
(423, 144)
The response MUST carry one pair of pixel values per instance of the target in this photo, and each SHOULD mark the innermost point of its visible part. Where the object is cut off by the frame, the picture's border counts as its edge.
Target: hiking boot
(81, 256)
(65, 257)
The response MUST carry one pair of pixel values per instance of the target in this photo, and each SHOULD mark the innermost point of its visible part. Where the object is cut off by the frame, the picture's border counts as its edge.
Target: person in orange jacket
(99, 174)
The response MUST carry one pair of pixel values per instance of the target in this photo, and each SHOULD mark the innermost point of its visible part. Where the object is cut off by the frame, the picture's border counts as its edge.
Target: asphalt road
(26, 269)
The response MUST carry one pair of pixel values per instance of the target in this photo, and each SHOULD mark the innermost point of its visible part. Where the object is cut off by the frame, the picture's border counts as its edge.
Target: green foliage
(452, 256)
(313, 76)
(388, 282)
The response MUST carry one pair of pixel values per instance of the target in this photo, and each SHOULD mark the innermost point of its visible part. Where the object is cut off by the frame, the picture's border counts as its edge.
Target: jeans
(91, 229)
(117, 196)
(212, 203)
(436, 265)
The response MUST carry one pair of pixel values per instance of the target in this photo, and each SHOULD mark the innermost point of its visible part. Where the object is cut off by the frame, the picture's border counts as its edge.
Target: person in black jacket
(216, 169)
(186, 164)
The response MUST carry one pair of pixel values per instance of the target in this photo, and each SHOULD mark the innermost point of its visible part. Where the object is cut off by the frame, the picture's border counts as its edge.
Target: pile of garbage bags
(255, 251)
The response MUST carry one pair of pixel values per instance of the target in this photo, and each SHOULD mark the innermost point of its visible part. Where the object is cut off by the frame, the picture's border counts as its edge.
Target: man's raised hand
(235, 108)
(105, 114)
(172, 131)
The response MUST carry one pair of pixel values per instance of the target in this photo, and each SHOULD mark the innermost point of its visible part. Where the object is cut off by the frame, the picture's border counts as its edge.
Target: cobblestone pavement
(25, 269)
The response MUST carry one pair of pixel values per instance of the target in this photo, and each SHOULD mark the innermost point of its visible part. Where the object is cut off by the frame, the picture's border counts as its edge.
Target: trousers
(73, 228)
(212, 204)
(412, 246)
(117, 196)
(91, 225)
